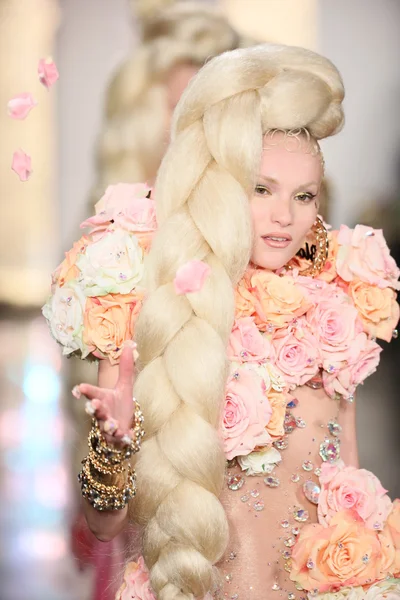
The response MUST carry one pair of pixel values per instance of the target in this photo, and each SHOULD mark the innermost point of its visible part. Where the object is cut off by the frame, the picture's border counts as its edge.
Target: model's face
(285, 201)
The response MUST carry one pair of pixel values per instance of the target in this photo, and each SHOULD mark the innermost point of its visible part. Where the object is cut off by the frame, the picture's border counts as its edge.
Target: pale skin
(283, 208)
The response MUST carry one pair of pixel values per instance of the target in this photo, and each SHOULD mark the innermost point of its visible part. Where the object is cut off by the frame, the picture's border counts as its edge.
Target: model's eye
(305, 197)
(261, 190)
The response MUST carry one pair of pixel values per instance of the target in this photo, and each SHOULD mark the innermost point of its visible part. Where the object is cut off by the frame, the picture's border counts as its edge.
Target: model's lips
(277, 240)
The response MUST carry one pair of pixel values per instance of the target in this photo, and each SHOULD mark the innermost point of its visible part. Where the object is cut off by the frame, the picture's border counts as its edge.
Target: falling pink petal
(48, 73)
(191, 277)
(21, 165)
(20, 106)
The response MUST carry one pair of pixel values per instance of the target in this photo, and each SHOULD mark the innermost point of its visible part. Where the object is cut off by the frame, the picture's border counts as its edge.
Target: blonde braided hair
(132, 141)
(202, 193)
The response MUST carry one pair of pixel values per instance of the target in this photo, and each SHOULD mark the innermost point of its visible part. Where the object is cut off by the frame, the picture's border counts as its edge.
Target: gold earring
(319, 250)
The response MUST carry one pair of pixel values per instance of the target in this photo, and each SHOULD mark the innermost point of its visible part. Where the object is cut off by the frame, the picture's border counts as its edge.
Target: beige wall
(28, 224)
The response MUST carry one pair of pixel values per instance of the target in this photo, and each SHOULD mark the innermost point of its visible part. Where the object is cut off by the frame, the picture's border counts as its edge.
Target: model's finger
(92, 391)
(126, 367)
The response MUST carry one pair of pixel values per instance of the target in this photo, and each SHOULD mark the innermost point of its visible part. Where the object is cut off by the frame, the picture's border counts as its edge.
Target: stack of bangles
(105, 461)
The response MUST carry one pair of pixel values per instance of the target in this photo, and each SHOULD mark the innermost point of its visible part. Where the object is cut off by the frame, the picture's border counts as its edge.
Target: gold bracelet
(105, 459)
(106, 497)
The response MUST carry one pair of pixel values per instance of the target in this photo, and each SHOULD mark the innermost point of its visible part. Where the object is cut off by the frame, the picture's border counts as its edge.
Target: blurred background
(71, 135)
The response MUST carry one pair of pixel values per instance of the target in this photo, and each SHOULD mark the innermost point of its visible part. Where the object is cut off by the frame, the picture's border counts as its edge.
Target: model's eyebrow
(275, 182)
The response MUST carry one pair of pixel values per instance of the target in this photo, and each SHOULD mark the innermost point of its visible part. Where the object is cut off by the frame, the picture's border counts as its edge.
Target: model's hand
(113, 408)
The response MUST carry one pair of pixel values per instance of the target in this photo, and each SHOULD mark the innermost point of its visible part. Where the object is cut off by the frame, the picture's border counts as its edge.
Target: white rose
(257, 463)
(111, 265)
(64, 313)
(348, 593)
(384, 590)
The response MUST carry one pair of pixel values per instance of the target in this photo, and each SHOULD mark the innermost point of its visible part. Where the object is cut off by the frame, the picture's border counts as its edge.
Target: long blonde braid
(202, 194)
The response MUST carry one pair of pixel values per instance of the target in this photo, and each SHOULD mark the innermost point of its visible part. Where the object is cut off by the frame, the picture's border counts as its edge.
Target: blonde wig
(133, 139)
(202, 194)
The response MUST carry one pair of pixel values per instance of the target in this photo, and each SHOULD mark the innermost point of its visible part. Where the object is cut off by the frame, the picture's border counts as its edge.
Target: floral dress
(303, 524)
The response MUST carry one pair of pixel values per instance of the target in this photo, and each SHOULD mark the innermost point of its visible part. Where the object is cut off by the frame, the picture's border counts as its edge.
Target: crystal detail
(275, 587)
(235, 482)
(317, 471)
(307, 465)
(254, 493)
(289, 542)
(289, 423)
(281, 444)
(296, 530)
(311, 491)
(310, 563)
(293, 403)
(288, 565)
(350, 399)
(272, 482)
(291, 596)
(395, 334)
(228, 577)
(300, 515)
(334, 428)
(245, 498)
(285, 523)
(329, 450)
(286, 554)
(259, 505)
(235, 597)
(377, 525)
(301, 424)
(295, 478)
(232, 556)
(365, 558)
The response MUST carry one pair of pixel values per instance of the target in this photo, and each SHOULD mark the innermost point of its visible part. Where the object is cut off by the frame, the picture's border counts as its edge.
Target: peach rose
(109, 322)
(246, 343)
(345, 380)
(124, 205)
(246, 414)
(345, 488)
(279, 300)
(245, 302)
(278, 402)
(393, 529)
(297, 353)
(136, 583)
(68, 270)
(363, 254)
(344, 554)
(378, 308)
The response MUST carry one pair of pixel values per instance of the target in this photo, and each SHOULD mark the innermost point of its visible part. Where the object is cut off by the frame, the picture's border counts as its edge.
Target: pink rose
(345, 379)
(335, 323)
(20, 106)
(246, 413)
(22, 165)
(344, 488)
(246, 343)
(191, 277)
(297, 353)
(48, 72)
(136, 583)
(363, 254)
(124, 205)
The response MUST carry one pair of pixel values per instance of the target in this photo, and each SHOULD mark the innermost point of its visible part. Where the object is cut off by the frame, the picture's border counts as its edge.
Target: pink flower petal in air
(20, 106)
(21, 165)
(48, 73)
(191, 277)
